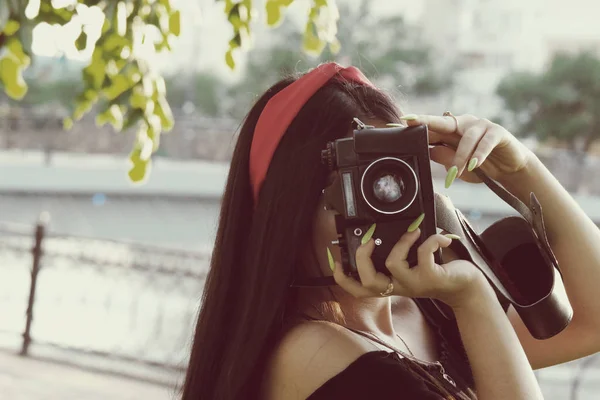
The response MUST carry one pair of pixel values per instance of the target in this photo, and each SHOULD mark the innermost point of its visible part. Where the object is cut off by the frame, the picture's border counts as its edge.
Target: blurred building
(483, 40)
(41, 128)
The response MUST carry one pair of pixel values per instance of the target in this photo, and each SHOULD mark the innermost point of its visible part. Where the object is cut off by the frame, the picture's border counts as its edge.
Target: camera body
(383, 177)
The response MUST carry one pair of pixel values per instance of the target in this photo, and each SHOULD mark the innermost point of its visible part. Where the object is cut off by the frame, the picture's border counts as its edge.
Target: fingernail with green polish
(416, 223)
(452, 172)
(330, 259)
(472, 164)
(369, 234)
(395, 125)
(409, 117)
(452, 236)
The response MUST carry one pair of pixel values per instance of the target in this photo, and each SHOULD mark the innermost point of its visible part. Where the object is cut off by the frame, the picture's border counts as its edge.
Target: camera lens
(388, 188)
(389, 185)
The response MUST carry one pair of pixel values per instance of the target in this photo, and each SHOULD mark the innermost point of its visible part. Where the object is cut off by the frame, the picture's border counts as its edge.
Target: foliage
(560, 103)
(320, 29)
(118, 79)
(204, 89)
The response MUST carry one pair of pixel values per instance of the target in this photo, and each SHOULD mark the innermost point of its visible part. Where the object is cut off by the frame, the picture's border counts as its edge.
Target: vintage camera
(383, 177)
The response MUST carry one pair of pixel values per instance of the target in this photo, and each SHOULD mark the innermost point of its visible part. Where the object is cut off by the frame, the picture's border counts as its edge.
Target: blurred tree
(203, 89)
(561, 103)
(62, 92)
(387, 49)
(390, 50)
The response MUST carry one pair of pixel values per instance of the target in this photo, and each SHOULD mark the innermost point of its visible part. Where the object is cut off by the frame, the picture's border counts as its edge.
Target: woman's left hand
(474, 143)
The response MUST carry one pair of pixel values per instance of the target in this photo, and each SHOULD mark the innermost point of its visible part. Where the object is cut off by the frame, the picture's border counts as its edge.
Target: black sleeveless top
(383, 374)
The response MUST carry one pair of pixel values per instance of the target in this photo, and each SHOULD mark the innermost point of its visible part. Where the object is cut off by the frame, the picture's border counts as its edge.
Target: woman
(259, 337)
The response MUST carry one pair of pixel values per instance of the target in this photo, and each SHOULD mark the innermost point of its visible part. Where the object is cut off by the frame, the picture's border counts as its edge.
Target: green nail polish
(472, 164)
(452, 236)
(409, 117)
(396, 125)
(369, 234)
(416, 223)
(330, 259)
(452, 172)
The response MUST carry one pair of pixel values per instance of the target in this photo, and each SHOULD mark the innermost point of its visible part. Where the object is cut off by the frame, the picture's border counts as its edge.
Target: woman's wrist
(477, 297)
(522, 183)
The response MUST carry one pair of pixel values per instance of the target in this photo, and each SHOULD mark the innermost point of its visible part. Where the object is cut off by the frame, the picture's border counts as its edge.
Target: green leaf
(138, 99)
(311, 43)
(11, 75)
(95, 72)
(273, 13)
(11, 27)
(175, 23)
(229, 59)
(119, 84)
(163, 111)
(51, 15)
(235, 42)
(234, 18)
(112, 115)
(152, 123)
(153, 135)
(162, 45)
(229, 4)
(13, 45)
(90, 94)
(132, 117)
(81, 108)
(166, 4)
(106, 25)
(114, 42)
(139, 168)
(335, 46)
(81, 41)
(67, 123)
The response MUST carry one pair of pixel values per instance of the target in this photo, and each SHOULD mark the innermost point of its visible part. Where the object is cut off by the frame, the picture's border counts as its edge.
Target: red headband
(281, 110)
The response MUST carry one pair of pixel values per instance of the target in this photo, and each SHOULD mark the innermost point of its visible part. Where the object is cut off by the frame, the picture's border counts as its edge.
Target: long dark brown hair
(247, 297)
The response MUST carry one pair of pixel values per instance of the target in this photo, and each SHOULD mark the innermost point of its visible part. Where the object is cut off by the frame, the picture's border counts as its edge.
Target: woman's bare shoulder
(309, 355)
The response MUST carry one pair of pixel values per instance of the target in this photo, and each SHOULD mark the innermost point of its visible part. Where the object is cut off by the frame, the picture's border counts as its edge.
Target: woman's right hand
(507, 375)
(453, 283)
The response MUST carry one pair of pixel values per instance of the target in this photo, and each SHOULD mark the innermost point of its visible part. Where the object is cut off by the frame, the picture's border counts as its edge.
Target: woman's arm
(575, 241)
(573, 237)
(498, 362)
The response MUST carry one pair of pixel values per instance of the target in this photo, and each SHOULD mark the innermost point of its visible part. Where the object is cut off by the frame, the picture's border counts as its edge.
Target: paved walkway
(24, 378)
